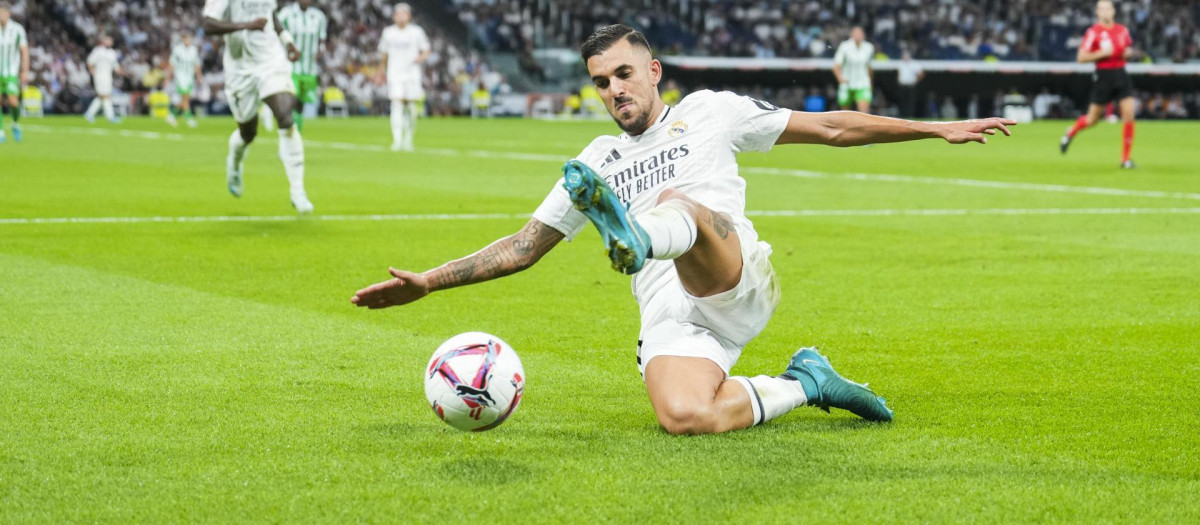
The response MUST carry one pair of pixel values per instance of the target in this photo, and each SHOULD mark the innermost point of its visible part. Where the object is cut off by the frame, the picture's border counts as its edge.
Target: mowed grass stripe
(754, 170)
(508, 216)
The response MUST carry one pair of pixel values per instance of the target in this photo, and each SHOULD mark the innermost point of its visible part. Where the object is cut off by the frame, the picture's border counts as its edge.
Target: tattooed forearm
(503, 257)
(721, 224)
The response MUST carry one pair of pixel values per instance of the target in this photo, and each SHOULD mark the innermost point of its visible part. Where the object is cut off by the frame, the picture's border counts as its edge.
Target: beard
(640, 122)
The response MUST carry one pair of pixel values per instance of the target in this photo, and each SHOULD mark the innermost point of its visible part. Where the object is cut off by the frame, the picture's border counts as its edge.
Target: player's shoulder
(594, 154)
(703, 96)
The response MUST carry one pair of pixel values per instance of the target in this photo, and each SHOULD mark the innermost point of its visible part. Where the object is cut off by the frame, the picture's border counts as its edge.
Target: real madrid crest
(678, 128)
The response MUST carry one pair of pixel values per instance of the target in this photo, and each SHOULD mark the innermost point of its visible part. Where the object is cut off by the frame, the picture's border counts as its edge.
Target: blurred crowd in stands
(145, 30)
(931, 29)
(63, 31)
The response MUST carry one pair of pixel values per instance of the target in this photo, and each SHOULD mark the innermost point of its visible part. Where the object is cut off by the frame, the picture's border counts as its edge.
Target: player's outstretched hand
(258, 24)
(965, 131)
(405, 288)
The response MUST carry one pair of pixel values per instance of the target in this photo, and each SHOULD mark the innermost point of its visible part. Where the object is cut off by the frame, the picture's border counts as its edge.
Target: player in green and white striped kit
(14, 68)
(308, 26)
(185, 72)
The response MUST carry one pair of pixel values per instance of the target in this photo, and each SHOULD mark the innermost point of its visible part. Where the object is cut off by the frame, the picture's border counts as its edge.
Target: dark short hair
(606, 36)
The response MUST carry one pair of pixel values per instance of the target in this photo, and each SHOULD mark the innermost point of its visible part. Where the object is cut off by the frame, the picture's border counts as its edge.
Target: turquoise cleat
(628, 245)
(16, 133)
(835, 390)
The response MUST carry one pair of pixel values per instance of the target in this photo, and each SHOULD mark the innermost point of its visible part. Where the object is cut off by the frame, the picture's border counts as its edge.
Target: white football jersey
(103, 61)
(691, 148)
(184, 60)
(247, 51)
(855, 61)
(402, 47)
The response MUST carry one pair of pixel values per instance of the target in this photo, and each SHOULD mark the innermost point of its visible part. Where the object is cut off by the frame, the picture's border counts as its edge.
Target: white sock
(108, 109)
(397, 122)
(771, 397)
(93, 108)
(671, 228)
(410, 122)
(291, 152)
(237, 149)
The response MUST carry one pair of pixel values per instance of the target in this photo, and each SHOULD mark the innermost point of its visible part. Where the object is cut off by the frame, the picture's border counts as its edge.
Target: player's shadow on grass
(486, 470)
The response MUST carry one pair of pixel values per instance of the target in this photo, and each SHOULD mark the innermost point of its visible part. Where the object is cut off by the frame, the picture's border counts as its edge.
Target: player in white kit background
(102, 62)
(258, 70)
(852, 67)
(403, 48)
(670, 206)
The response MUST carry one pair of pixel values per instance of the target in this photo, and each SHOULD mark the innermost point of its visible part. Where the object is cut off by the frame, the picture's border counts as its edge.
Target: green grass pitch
(1038, 340)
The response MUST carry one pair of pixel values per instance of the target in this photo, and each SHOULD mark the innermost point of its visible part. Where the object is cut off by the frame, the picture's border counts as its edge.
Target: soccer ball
(474, 381)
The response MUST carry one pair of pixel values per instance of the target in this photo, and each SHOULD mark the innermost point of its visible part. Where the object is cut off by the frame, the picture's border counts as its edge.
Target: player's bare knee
(248, 131)
(686, 417)
(285, 120)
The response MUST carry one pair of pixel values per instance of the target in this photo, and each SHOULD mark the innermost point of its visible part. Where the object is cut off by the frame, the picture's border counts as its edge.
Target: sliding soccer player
(670, 207)
(1109, 45)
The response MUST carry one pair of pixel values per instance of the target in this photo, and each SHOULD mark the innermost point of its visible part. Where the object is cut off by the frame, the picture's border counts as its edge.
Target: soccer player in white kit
(102, 63)
(403, 47)
(852, 67)
(258, 70)
(670, 206)
(185, 71)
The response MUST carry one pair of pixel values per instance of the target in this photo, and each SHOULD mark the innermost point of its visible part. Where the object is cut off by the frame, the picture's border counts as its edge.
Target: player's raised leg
(1127, 110)
(239, 146)
(1094, 114)
(291, 148)
(691, 395)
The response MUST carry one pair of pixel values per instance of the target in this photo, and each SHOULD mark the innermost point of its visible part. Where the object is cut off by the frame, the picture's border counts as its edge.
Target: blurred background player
(14, 69)
(184, 70)
(1109, 45)
(308, 26)
(403, 47)
(258, 71)
(852, 67)
(908, 74)
(102, 63)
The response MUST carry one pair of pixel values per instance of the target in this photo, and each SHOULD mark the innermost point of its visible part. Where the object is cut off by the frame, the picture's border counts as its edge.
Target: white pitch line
(1002, 185)
(494, 216)
(543, 157)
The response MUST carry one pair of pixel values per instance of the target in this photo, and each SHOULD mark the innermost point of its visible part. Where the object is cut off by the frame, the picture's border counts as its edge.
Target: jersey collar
(658, 124)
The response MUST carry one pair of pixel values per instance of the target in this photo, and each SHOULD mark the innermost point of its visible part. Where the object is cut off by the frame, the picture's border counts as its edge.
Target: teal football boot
(835, 390)
(627, 243)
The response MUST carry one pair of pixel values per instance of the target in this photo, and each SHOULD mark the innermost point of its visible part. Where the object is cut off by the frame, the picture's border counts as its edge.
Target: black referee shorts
(1110, 85)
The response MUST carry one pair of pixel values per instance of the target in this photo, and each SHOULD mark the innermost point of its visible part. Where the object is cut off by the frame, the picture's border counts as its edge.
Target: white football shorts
(716, 328)
(245, 91)
(407, 87)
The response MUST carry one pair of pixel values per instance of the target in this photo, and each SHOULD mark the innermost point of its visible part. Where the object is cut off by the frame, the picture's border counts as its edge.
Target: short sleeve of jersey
(383, 40)
(839, 56)
(22, 40)
(753, 125)
(1089, 38)
(423, 45)
(91, 58)
(557, 211)
(321, 32)
(215, 9)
